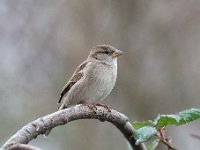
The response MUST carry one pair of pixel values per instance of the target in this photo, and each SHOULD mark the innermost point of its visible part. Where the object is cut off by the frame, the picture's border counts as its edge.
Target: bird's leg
(86, 103)
(105, 106)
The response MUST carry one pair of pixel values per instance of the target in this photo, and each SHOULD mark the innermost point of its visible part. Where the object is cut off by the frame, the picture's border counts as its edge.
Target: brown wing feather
(78, 74)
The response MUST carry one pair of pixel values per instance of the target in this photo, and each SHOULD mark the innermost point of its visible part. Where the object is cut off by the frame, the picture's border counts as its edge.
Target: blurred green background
(42, 42)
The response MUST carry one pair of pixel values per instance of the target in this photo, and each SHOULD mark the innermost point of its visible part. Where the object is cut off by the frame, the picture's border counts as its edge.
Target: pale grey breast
(96, 84)
(101, 81)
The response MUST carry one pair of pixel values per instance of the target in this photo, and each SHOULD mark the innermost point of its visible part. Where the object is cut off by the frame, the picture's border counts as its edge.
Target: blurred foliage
(42, 42)
(144, 134)
(164, 120)
(146, 130)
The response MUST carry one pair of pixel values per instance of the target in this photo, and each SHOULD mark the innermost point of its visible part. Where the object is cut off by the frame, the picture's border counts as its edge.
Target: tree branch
(61, 117)
(24, 147)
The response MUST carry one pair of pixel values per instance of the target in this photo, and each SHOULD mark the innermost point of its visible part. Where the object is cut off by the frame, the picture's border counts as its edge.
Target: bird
(93, 80)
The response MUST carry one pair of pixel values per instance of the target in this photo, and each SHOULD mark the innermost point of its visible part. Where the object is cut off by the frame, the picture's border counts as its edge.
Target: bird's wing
(78, 74)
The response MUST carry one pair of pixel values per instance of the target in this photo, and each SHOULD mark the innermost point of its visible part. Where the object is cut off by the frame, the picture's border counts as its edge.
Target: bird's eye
(106, 52)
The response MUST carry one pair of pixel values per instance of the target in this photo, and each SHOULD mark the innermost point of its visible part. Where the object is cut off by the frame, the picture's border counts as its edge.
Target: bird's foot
(91, 106)
(105, 106)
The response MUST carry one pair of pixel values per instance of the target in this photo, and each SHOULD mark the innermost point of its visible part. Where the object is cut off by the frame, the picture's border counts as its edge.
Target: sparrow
(93, 79)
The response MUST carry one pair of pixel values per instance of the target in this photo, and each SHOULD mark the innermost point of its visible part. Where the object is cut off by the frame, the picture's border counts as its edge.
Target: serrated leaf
(190, 115)
(177, 119)
(138, 124)
(164, 120)
(144, 134)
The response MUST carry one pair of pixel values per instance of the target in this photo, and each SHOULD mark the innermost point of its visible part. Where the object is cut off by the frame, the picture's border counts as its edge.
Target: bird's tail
(62, 106)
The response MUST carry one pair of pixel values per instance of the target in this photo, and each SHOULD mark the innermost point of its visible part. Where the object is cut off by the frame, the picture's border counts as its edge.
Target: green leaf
(164, 120)
(138, 124)
(190, 115)
(147, 129)
(144, 134)
(181, 118)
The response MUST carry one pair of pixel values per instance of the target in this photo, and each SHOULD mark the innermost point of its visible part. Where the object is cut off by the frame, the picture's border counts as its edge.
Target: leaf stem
(169, 145)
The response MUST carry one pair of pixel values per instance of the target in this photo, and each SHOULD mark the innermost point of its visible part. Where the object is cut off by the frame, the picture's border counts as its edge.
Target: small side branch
(61, 117)
(24, 147)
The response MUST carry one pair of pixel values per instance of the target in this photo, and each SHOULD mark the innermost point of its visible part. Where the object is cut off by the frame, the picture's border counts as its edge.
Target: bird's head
(105, 53)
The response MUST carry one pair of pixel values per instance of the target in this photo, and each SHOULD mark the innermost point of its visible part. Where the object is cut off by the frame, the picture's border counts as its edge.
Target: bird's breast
(101, 81)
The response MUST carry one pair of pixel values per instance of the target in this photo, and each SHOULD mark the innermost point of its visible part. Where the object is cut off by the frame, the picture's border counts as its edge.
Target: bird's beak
(117, 53)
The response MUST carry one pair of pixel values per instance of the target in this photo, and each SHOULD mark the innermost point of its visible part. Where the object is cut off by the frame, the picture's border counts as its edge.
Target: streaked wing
(78, 74)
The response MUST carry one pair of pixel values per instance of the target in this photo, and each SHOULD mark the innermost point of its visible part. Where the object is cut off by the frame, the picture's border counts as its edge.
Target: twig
(24, 147)
(169, 145)
(196, 136)
(164, 139)
(61, 117)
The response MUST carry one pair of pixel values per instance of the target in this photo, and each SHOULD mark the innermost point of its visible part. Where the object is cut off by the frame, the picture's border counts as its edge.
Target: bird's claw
(105, 106)
(92, 107)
